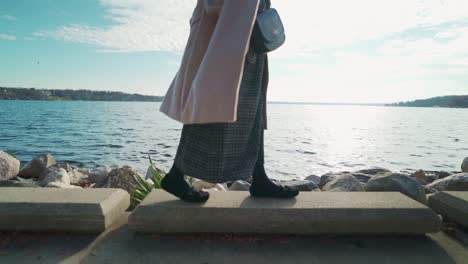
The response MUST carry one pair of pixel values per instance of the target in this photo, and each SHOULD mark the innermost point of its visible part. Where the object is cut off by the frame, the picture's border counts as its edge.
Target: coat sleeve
(213, 7)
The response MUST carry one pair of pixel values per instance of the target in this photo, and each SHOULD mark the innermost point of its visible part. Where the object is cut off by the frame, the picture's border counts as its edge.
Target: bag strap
(264, 5)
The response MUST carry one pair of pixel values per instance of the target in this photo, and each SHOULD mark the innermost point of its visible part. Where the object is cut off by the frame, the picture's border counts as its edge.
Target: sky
(361, 51)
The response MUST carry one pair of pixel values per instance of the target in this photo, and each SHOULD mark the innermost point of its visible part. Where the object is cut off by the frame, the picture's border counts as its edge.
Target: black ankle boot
(262, 186)
(174, 183)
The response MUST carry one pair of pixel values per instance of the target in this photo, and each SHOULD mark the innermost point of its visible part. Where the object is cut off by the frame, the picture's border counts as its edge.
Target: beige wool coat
(206, 86)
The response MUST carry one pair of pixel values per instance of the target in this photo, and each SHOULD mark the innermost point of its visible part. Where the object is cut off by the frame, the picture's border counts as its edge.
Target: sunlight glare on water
(301, 139)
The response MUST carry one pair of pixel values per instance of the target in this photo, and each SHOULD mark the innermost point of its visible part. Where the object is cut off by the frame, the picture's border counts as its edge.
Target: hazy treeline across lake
(73, 95)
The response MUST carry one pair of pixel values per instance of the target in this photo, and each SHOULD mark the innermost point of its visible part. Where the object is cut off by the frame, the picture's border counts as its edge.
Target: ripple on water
(325, 165)
(306, 152)
(107, 146)
(101, 133)
(151, 152)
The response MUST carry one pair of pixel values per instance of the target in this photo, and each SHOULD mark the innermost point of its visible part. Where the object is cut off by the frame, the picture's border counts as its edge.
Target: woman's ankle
(175, 172)
(259, 176)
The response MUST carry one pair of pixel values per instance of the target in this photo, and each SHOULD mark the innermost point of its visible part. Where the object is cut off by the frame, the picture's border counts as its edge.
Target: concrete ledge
(52, 210)
(452, 205)
(309, 213)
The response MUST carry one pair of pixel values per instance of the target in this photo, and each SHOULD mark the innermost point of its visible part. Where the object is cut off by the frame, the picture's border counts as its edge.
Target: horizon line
(272, 102)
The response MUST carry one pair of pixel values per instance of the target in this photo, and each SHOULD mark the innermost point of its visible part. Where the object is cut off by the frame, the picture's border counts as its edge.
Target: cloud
(9, 17)
(138, 25)
(349, 51)
(441, 53)
(145, 25)
(7, 37)
(365, 78)
(399, 70)
(316, 24)
(372, 51)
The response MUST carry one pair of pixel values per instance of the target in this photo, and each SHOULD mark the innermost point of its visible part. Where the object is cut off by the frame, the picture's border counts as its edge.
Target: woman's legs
(262, 186)
(175, 183)
(231, 151)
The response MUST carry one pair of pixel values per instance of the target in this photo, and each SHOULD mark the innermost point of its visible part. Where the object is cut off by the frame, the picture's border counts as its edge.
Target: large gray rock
(78, 178)
(240, 186)
(124, 178)
(452, 205)
(431, 177)
(361, 177)
(303, 186)
(397, 182)
(99, 174)
(374, 171)
(77, 175)
(454, 182)
(365, 175)
(464, 166)
(9, 166)
(308, 213)
(313, 178)
(443, 174)
(342, 183)
(65, 210)
(324, 179)
(420, 175)
(55, 175)
(436, 175)
(202, 185)
(66, 166)
(37, 166)
(218, 187)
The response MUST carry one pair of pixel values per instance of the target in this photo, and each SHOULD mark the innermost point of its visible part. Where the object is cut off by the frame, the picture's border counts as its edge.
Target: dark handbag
(268, 33)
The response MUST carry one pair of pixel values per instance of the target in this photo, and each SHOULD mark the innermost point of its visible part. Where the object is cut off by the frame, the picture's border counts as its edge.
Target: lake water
(301, 139)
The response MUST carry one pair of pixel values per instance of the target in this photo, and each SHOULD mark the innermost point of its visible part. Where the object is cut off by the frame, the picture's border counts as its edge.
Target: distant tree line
(456, 101)
(79, 95)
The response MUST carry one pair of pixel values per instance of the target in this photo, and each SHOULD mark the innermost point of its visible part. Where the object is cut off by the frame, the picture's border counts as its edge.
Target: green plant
(11, 153)
(144, 187)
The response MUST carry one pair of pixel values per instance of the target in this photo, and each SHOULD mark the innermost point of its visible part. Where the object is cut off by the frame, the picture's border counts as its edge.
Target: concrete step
(452, 205)
(70, 210)
(309, 213)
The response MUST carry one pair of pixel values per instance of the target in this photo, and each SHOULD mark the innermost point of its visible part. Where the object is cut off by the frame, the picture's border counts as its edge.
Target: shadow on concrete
(43, 247)
(121, 245)
(124, 246)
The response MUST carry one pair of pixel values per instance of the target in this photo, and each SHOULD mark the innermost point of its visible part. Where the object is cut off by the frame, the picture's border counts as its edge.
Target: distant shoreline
(27, 94)
(34, 94)
(269, 102)
(318, 103)
(450, 101)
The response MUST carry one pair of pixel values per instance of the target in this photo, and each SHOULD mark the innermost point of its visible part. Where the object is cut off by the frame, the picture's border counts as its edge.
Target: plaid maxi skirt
(224, 152)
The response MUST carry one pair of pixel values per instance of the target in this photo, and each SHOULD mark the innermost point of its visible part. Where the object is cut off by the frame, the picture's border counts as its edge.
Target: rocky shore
(45, 171)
